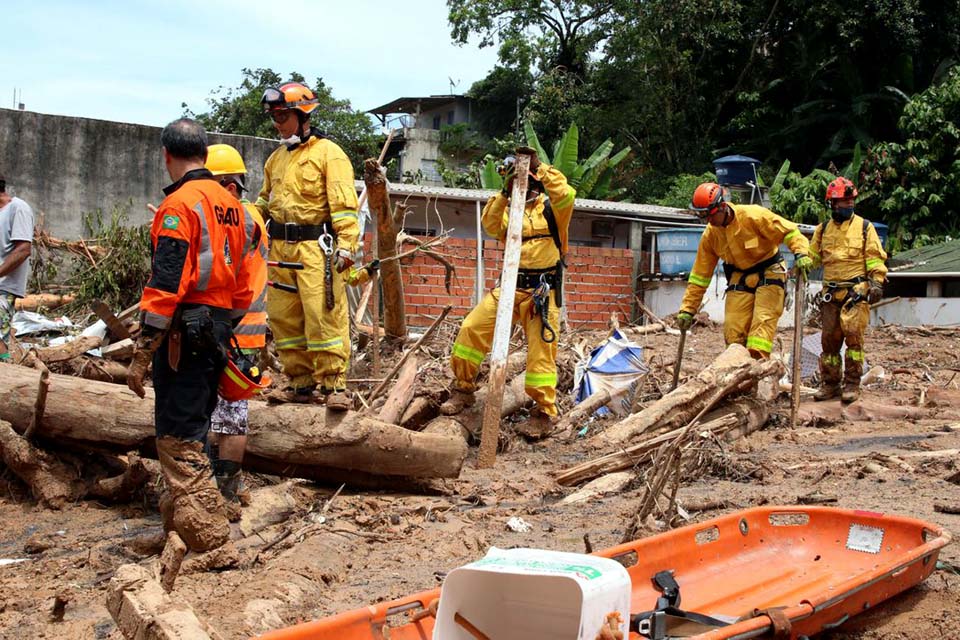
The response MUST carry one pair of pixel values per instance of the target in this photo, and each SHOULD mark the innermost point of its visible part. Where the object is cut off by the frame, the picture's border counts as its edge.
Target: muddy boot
(199, 516)
(851, 393)
(457, 402)
(299, 395)
(340, 400)
(539, 425)
(827, 392)
(229, 481)
(166, 509)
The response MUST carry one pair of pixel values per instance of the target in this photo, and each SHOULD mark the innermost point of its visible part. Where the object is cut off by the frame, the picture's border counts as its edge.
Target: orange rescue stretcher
(768, 572)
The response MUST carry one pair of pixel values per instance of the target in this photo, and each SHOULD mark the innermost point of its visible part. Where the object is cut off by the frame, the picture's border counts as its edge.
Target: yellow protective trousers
(313, 342)
(751, 316)
(841, 324)
(476, 335)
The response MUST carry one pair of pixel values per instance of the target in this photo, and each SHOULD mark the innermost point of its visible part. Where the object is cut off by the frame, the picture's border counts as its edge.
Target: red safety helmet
(840, 188)
(707, 198)
(291, 95)
(241, 380)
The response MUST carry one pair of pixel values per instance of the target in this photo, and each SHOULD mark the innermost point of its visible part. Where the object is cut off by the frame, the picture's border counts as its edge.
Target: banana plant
(591, 178)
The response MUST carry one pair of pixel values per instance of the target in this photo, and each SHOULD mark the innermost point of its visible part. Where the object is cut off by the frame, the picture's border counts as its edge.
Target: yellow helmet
(223, 159)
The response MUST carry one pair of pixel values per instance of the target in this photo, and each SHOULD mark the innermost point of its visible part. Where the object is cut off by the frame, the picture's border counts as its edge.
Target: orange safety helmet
(240, 381)
(840, 188)
(707, 198)
(291, 95)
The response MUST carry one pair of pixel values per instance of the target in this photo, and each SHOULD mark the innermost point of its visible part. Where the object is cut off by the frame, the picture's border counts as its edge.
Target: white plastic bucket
(533, 594)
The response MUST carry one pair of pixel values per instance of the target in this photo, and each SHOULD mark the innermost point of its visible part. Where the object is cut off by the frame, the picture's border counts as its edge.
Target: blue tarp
(616, 366)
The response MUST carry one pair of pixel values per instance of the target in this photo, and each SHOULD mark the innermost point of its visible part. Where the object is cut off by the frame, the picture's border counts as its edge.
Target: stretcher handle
(283, 287)
(285, 265)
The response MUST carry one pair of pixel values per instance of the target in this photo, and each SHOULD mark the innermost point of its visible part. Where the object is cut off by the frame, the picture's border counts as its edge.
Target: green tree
(237, 110)
(914, 185)
(552, 32)
(496, 98)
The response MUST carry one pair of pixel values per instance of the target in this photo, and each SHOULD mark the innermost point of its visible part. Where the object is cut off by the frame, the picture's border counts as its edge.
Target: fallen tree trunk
(731, 370)
(50, 480)
(63, 352)
(378, 198)
(34, 301)
(306, 438)
(471, 418)
(737, 419)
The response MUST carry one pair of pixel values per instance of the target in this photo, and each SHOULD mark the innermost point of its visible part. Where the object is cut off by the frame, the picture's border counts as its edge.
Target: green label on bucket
(584, 571)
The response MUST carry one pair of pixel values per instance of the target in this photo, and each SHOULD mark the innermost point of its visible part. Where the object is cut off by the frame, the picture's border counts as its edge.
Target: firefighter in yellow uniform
(747, 238)
(310, 201)
(538, 296)
(853, 275)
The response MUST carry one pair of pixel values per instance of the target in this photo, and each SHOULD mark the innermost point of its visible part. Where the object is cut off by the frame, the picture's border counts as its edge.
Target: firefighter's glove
(373, 267)
(874, 292)
(342, 260)
(534, 158)
(137, 371)
(804, 265)
(684, 321)
(507, 184)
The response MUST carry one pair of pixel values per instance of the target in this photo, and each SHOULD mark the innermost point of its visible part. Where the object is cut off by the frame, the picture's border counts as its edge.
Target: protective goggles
(273, 99)
(711, 208)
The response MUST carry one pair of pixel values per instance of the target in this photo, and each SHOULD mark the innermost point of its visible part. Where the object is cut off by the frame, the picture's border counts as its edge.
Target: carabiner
(326, 243)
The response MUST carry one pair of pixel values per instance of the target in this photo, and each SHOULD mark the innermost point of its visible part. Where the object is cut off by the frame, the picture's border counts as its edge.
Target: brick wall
(597, 282)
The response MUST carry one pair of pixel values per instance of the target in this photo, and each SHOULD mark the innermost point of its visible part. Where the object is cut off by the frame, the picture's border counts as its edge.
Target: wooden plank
(401, 394)
(121, 350)
(114, 324)
(490, 434)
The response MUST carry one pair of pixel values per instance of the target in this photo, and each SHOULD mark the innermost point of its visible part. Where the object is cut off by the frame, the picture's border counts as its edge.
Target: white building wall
(913, 312)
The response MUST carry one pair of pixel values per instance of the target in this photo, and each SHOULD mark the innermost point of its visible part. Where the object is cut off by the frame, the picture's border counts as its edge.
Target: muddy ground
(367, 546)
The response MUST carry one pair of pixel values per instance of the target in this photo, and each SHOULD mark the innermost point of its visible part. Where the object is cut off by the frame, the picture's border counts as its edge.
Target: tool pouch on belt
(174, 341)
(199, 335)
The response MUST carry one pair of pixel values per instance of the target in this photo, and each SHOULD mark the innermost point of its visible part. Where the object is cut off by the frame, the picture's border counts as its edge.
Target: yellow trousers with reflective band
(751, 319)
(842, 325)
(313, 342)
(476, 335)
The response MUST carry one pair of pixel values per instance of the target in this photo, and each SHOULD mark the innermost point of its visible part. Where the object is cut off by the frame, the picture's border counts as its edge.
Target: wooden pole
(797, 347)
(501, 333)
(679, 360)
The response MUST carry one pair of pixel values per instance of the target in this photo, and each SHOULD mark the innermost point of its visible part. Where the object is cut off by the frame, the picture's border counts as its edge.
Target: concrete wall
(65, 166)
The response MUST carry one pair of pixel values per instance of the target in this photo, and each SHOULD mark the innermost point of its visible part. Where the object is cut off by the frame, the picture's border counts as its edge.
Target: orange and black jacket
(204, 251)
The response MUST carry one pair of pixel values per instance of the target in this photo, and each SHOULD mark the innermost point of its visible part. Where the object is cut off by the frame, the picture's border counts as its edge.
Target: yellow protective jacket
(754, 235)
(538, 250)
(849, 250)
(312, 184)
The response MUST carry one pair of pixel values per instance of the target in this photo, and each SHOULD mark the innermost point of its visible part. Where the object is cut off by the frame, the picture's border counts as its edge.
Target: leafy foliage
(682, 188)
(237, 110)
(118, 277)
(915, 184)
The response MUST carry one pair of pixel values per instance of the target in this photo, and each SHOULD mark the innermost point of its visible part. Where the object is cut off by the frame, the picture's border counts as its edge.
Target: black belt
(293, 232)
(531, 278)
(844, 284)
(729, 270)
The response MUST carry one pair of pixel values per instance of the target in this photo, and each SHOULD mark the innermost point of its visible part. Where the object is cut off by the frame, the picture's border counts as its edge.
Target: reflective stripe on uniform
(467, 353)
(325, 345)
(759, 344)
(873, 263)
(567, 199)
(295, 342)
(698, 280)
(250, 329)
(205, 255)
(341, 215)
(795, 232)
(540, 379)
(156, 320)
(830, 358)
(855, 354)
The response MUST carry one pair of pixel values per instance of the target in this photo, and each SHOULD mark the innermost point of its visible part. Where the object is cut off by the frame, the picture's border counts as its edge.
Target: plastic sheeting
(616, 366)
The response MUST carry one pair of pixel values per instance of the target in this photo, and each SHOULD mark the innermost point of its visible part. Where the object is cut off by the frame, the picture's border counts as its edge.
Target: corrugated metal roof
(627, 210)
(937, 258)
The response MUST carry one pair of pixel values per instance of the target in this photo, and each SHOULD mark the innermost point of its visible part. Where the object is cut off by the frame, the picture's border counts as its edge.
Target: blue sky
(138, 61)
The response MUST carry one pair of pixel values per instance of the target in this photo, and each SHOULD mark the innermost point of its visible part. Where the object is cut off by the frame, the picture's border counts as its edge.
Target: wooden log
(143, 610)
(731, 370)
(116, 328)
(418, 412)
(737, 419)
(490, 436)
(122, 487)
(401, 394)
(96, 369)
(50, 481)
(69, 350)
(306, 437)
(122, 350)
(585, 409)
(604, 485)
(378, 194)
(34, 301)
(514, 398)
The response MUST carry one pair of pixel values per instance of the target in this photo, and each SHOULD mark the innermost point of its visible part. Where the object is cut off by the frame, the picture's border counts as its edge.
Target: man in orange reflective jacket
(200, 284)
